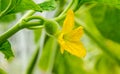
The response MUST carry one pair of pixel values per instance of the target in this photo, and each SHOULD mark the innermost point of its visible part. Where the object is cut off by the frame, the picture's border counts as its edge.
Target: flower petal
(76, 49)
(68, 22)
(62, 50)
(61, 42)
(75, 35)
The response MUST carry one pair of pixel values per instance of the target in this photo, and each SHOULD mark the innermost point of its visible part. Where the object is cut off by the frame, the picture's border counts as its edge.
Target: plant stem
(32, 24)
(33, 61)
(14, 29)
(70, 4)
(34, 17)
(61, 15)
(52, 57)
(75, 5)
(37, 54)
(9, 33)
(61, 4)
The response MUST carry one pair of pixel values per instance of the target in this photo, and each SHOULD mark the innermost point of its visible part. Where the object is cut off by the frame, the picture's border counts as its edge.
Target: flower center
(66, 37)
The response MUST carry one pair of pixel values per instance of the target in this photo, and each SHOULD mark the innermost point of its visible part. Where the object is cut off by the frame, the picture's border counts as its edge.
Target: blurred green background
(101, 22)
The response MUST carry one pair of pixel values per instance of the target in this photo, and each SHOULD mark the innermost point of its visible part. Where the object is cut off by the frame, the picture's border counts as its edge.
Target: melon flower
(69, 38)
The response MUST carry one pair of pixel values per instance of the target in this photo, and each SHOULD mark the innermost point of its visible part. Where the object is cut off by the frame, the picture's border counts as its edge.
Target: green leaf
(2, 71)
(48, 5)
(67, 64)
(107, 21)
(8, 18)
(3, 4)
(26, 5)
(5, 48)
(14, 6)
(105, 65)
(115, 3)
(7, 6)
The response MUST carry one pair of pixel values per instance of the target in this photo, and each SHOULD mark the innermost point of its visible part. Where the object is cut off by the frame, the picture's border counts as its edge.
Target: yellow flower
(69, 38)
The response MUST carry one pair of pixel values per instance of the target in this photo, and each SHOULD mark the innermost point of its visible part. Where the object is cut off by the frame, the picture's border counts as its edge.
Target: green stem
(9, 33)
(37, 55)
(35, 27)
(62, 15)
(33, 61)
(76, 5)
(59, 18)
(70, 4)
(61, 4)
(14, 29)
(32, 24)
(52, 58)
(34, 17)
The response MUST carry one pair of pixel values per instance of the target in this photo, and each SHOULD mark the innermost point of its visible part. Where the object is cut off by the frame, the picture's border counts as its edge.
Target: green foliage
(14, 6)
(67, 64)
(2, 71)
(114, 3)
(26, 5)
(78, 4)
(87, 19)
(7, 6)
(5, 48)
(8, 18)
(107, 21)
(105, 65)
(48, 5)
(4, 4)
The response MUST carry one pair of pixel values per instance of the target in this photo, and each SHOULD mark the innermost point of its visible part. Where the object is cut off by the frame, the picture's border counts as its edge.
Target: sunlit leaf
(7, 6)
(26, 5)
(114, 3)
(107, 21)
(18, 6)
(8, 18)
(48, 5)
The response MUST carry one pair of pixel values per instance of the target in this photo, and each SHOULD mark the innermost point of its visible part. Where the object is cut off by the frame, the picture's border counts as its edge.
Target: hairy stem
(9, 33)
(14, 29)
(33, 61)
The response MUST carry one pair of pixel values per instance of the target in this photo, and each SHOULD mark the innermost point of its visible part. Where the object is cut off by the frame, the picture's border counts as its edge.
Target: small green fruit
(51, 27)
